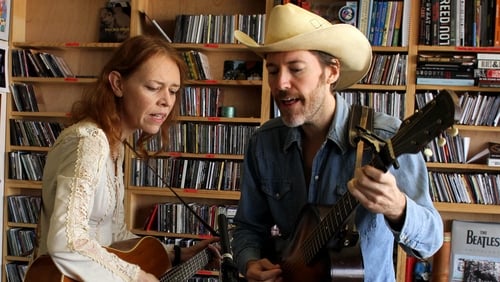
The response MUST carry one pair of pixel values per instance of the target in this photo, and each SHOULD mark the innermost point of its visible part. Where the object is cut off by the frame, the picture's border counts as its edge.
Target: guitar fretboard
(186, 270)
(329, 226)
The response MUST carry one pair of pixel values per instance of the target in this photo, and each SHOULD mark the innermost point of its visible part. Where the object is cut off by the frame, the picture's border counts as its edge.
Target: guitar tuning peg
(428, 152)
(441, 142)
(452, 131)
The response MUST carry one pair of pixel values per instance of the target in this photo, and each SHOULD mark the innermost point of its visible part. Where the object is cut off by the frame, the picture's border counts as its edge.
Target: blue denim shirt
(274, 191)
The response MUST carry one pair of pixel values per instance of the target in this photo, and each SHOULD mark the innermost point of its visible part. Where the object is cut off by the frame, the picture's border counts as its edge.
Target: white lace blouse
(83, 206)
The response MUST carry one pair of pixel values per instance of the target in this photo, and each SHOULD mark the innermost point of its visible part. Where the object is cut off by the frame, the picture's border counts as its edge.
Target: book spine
(441, 260)
(497, 24)
(444, 73)
(444, 23)
(364, 10)
(446, 81)
(487, 73)
(488, 64)
(488, 56)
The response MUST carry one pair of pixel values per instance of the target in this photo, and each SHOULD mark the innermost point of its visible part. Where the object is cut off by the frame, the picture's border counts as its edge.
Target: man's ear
(334, 73)
(115, 80)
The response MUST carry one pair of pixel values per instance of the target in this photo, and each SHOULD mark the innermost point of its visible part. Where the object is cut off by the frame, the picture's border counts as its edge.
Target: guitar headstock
(419, 129)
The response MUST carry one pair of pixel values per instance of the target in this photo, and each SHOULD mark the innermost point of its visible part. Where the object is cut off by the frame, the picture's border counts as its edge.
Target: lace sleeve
(84, 207)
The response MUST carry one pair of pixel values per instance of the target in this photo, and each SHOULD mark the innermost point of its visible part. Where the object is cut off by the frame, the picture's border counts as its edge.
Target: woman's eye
(152, 88)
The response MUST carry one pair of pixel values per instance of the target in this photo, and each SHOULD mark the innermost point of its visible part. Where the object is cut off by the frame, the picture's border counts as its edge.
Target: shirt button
(277, 195)
(316, 177)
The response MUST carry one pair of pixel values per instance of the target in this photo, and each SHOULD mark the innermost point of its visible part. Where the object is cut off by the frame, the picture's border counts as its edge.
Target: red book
(151, 218)
(410, 266)
(497, 25)
(441, 261)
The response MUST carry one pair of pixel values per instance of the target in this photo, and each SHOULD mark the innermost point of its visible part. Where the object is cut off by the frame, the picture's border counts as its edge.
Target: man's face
(299, 85)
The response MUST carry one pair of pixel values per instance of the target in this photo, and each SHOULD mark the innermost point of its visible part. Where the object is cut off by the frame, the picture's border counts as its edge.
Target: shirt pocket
(276, 189)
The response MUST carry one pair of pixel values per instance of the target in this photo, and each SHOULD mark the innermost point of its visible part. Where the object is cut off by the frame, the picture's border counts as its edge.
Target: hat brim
(353, 52)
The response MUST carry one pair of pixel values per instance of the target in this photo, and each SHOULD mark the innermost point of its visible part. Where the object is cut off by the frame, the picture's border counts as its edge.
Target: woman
(83, 186)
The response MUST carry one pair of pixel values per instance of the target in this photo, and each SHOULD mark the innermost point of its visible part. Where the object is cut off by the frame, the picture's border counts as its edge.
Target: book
(446, 81)
(152, 218)
(464, 60)
(242, 70)
(496, 37)
(475, 251)
(410, 266)
(488, 56)
(440, 73)
(157, 26)
(487, 73)
(441, 261)
(488, 64)
(114, 25)
(425, 23)
(337, 11)
(492, 151)
(445, 31)
(493, 158)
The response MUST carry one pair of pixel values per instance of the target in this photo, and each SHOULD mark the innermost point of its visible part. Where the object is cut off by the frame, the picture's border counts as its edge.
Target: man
(304, 156)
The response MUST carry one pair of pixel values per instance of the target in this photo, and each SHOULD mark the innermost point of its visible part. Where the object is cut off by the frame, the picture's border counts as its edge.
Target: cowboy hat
(293, 28)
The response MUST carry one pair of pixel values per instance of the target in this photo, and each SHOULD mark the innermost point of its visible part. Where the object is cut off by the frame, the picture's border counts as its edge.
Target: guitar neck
(189, 268)
(331, 224)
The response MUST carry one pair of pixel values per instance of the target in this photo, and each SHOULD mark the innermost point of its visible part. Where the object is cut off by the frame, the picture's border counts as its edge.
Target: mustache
(281, 94)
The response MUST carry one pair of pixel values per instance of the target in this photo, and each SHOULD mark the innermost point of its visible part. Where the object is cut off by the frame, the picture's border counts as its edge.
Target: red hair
(100, 103)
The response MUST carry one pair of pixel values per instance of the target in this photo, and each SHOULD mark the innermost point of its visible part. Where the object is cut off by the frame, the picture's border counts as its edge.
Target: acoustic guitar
(147, 252)
(306, 257)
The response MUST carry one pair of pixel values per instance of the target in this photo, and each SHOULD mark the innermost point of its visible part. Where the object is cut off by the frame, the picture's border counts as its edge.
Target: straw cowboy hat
(292, 28)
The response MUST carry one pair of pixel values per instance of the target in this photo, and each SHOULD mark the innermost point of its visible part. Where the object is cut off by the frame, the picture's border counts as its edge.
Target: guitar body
(146, 252)
(326, 265)
(293, 263)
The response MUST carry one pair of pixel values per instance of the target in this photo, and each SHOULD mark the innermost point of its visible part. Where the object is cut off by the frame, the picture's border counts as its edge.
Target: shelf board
(186, 193)
(454, 49)
(224, 82)
(456, 88)
(11, 224)
(375, 87)
(22, 259)
(41, 114)
(467, 208)
(143, 232)
(29, 148)
(27, 184)
(255, 120)
(454, 167)
(82, 80)
(201, 156)
(65, 45)
(477, 128)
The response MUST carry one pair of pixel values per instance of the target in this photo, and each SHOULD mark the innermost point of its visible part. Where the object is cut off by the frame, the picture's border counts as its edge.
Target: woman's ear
(115, 80)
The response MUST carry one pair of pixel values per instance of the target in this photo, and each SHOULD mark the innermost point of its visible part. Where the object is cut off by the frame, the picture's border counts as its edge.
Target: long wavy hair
(102, 106)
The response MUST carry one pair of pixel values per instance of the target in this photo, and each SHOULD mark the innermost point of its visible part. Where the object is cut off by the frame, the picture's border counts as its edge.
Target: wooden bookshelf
(70, 30)
(480, 136)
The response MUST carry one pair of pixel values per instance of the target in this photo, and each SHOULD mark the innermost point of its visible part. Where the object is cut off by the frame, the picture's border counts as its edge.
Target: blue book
(446, 81)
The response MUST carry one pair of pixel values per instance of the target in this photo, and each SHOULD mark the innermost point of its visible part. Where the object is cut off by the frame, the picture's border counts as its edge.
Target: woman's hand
(146, 277)
(187, 253)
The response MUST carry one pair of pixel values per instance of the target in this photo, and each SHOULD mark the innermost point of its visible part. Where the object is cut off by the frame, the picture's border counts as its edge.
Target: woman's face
(148, 95)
